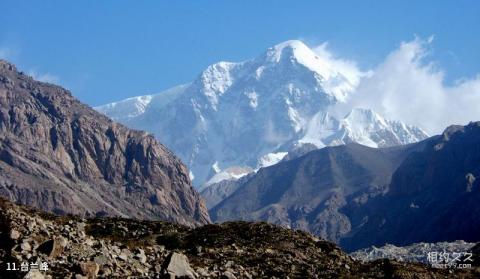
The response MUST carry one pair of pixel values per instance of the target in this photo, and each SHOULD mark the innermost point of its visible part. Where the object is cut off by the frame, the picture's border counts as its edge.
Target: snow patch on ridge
(130, 107)
(363, 126)
(232, 173)
(216, 168)
(216, 80)
(270, 159)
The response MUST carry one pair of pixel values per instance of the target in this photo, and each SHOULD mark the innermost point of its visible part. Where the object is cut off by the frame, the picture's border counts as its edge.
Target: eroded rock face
(60, 155)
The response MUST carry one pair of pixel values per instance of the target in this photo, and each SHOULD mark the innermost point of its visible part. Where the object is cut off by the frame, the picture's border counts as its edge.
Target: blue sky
(109, 50)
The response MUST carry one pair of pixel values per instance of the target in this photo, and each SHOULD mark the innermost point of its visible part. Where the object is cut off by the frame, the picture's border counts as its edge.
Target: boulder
(90, 269)
(53, 247)
(14, 234)
(34, 274)
(177, 266)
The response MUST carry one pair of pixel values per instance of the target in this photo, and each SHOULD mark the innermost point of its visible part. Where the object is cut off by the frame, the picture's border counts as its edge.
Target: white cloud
(8, 54)
(407, 88)
(348, 68)
(45, 77)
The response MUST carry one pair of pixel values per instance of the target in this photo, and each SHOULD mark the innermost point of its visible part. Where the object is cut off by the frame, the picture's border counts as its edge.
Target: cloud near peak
(405, 87)
(44, 77)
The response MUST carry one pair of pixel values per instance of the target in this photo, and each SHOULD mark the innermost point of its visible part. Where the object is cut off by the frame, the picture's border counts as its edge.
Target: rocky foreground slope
(60, 155)
(124, 248)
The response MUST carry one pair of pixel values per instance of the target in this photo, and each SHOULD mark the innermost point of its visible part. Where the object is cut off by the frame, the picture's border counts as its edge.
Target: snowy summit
(250, 114)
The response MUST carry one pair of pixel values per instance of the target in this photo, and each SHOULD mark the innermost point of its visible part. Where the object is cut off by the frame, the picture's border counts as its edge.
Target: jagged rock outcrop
(60, 155)
(128, 248)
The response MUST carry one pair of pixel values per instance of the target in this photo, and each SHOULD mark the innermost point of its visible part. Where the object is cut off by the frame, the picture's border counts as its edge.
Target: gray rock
(81, 226)
(34, 274)
(89, 269)
(31, 225)
(89, 242)
(100, 260)
(123, 257)
(25, 246)
(62, 241)
(141, 256)
(228, 275)
(52, 248)
(177, 265)
(14, 234)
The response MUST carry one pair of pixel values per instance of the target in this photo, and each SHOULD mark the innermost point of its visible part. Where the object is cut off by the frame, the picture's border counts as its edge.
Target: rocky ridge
(81, 248)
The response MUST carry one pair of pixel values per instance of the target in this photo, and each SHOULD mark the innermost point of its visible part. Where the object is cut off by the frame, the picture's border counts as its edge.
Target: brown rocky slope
(60, 155)
(79, 248)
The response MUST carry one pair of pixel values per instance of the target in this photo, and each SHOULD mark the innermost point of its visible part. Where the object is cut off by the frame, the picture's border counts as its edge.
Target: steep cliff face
(60, 155)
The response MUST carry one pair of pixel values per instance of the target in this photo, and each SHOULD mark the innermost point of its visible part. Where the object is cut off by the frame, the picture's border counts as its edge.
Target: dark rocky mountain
(125, 248)
(60, 155)
(309, 192)
(359, 196)
(215, 193)
(434, 195)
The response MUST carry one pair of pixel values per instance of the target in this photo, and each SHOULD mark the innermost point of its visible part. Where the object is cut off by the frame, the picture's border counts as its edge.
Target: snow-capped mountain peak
(363, 126)
(367, 127)
(329, 76)
(240, 114)
(291, 63)
(297, 51)
(130, 107)
(364, 119)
